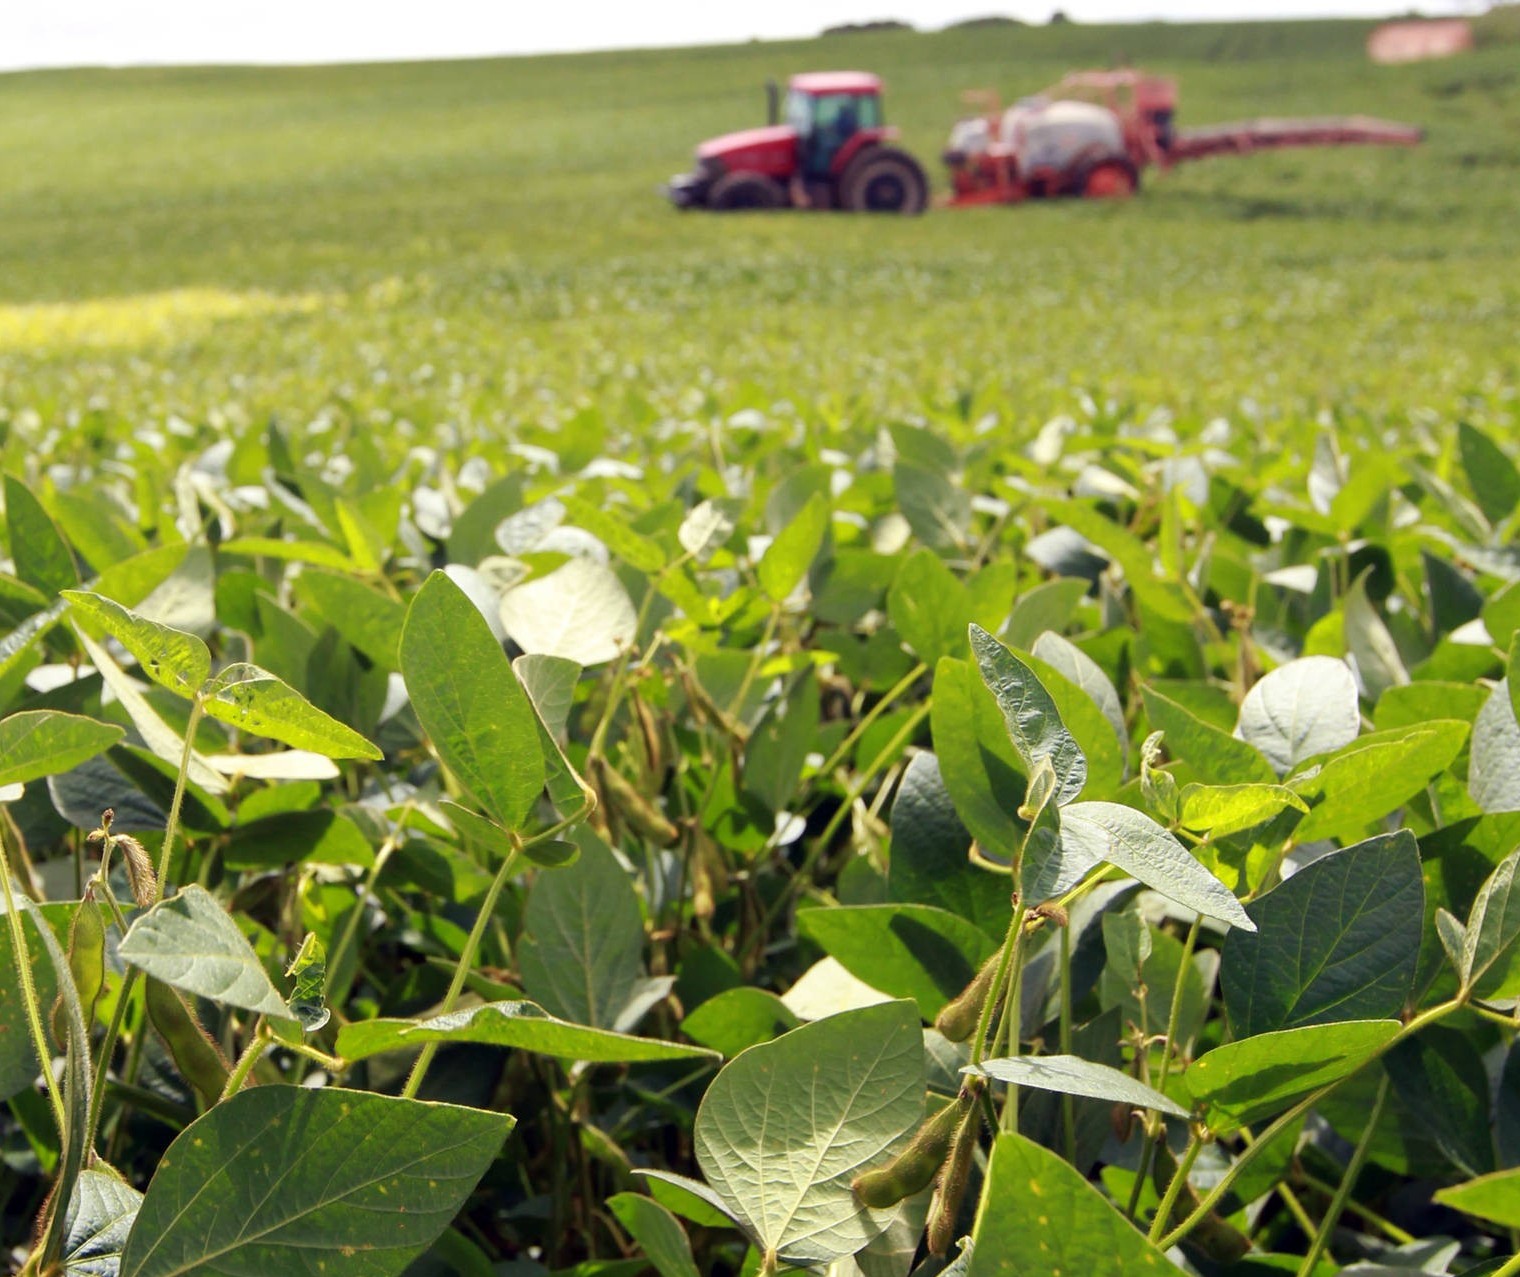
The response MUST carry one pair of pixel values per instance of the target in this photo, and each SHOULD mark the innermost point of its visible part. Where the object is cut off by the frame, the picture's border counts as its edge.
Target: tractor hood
(768, 150)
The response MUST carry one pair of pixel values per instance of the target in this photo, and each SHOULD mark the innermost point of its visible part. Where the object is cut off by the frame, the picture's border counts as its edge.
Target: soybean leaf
(1339, 940)
(739, 1018)
(583, 938)
(1441, 1079)
(929, 607)
(191, 942)
(1216, 757)
(1094, 734)
(1495, 1197)
(550, 684)
(38, 549)
(657, 1231)
(704, 529)
(689, 1198)
(1033, 723)
(1039, 1217)
(929, 863)
(906, 951)
(1370, 644)
(580, 612)
(367, 620)
(781, 741)
(41, 742)
(1490, 473)
(1072, 1075)
(986, 779)
(318, 837)
(1493, 772)
(1254, 1077)
(1046, 607)
(289, 1179)
(787, 558)
(518, 1025)
(1162, 598)
(101, 1213)
(254, 700)
(1070, 661)
(613, 531)
(1490, 955)
(470, 703)
(170, 657)
(18, 1059)
(936, 509)
(1376, 775)
(786, 1126)
(1306, 707)
(1222, 810)
(1126, 944)
(1136, 844)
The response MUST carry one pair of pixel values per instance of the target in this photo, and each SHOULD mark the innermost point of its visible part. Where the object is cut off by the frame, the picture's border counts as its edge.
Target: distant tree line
(1057, 17)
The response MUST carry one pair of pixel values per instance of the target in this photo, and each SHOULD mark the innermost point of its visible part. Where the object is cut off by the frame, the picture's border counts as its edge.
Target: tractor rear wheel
(883, 179)
(736, 191)
(1110, 180)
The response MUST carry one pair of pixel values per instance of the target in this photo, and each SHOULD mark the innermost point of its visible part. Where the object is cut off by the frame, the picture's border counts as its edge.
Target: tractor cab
(825, 147)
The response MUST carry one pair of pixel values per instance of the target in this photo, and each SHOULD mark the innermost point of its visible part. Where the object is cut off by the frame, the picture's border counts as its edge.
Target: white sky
(35, 33)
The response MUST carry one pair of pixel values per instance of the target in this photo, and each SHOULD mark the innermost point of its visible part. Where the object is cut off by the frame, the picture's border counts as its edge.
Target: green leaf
(583, 938)
(101, 1214)
(1490, 473)
(780, 742)
(1222, 810)
(367, 620)
(657, 1231)
(1157, 596)
(906, 951)
(18, 1059)
(1376, 775)
(705, 529)
(470, 703)
(1339, 940)
(550, 683)
(736, 1019)
(929, 861)
(689, 1198)
(1044, 607)
(936, 509)
(1495, 1198)
(289, 1179)
(1041, 1218)
(613, 531)
(929, 607)
(254, 700)
(786, 1126)
(1072, 663)
(1443, 1082)
(1304, 708)
(308, 997)
(1490, 956)
(1369, 642)
(1033, 723)
(298, 837)
(170, 657)
(37, 548)
(516, 1025)
(1216, 757)
(1493, 772)
(787, 558)
(43, 742)
(191, 942)
(1136, 844)
(1126, 944)
(1242, 1081)
(1072, 1075)
(316, 553)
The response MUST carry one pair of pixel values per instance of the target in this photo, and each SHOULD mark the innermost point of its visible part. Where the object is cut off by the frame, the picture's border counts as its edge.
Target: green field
(477, 236)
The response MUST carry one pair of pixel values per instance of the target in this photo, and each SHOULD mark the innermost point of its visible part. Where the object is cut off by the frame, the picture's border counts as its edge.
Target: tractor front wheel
(883, 179)
(1111, 180)
(736, 191)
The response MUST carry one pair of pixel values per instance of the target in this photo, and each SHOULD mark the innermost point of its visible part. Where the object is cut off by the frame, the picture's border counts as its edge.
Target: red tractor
(830, 149)
(1093, 133)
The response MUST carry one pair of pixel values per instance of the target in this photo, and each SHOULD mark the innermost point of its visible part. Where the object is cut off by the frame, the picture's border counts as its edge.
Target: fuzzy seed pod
(957, 1020)
(642, 816)
(952, 1183)
(912, 1169)
(139, 870)
(87, 964)
(199, 1059)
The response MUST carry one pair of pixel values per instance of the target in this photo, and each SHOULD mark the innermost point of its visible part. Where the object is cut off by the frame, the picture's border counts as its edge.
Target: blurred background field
(482, 245)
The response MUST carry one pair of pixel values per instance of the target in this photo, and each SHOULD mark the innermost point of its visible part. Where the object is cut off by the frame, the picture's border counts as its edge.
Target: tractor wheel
(1110, 180)
(883, 179)
(736, 191)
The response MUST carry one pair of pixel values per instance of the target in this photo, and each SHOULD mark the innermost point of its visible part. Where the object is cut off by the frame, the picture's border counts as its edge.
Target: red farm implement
(1093, 133)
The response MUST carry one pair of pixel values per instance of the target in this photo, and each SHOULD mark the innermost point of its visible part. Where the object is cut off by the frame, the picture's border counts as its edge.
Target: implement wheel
(737, 191)
(1110, 180)
(883, 179)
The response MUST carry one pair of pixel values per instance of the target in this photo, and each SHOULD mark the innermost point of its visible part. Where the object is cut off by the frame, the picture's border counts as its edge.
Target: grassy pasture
(464, 240)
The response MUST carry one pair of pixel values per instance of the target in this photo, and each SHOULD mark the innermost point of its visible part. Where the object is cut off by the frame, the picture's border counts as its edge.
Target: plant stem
(1174, 1189)
(197, 708)
(467, 959)
(999, 982)
(1422, 1021)
(1068, 1110)
(1012, 1014)
(251, 1055)
(1397, 1235)
(29, 996)
(1511, 1269)
(1348, 1182)
(103, 1054)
